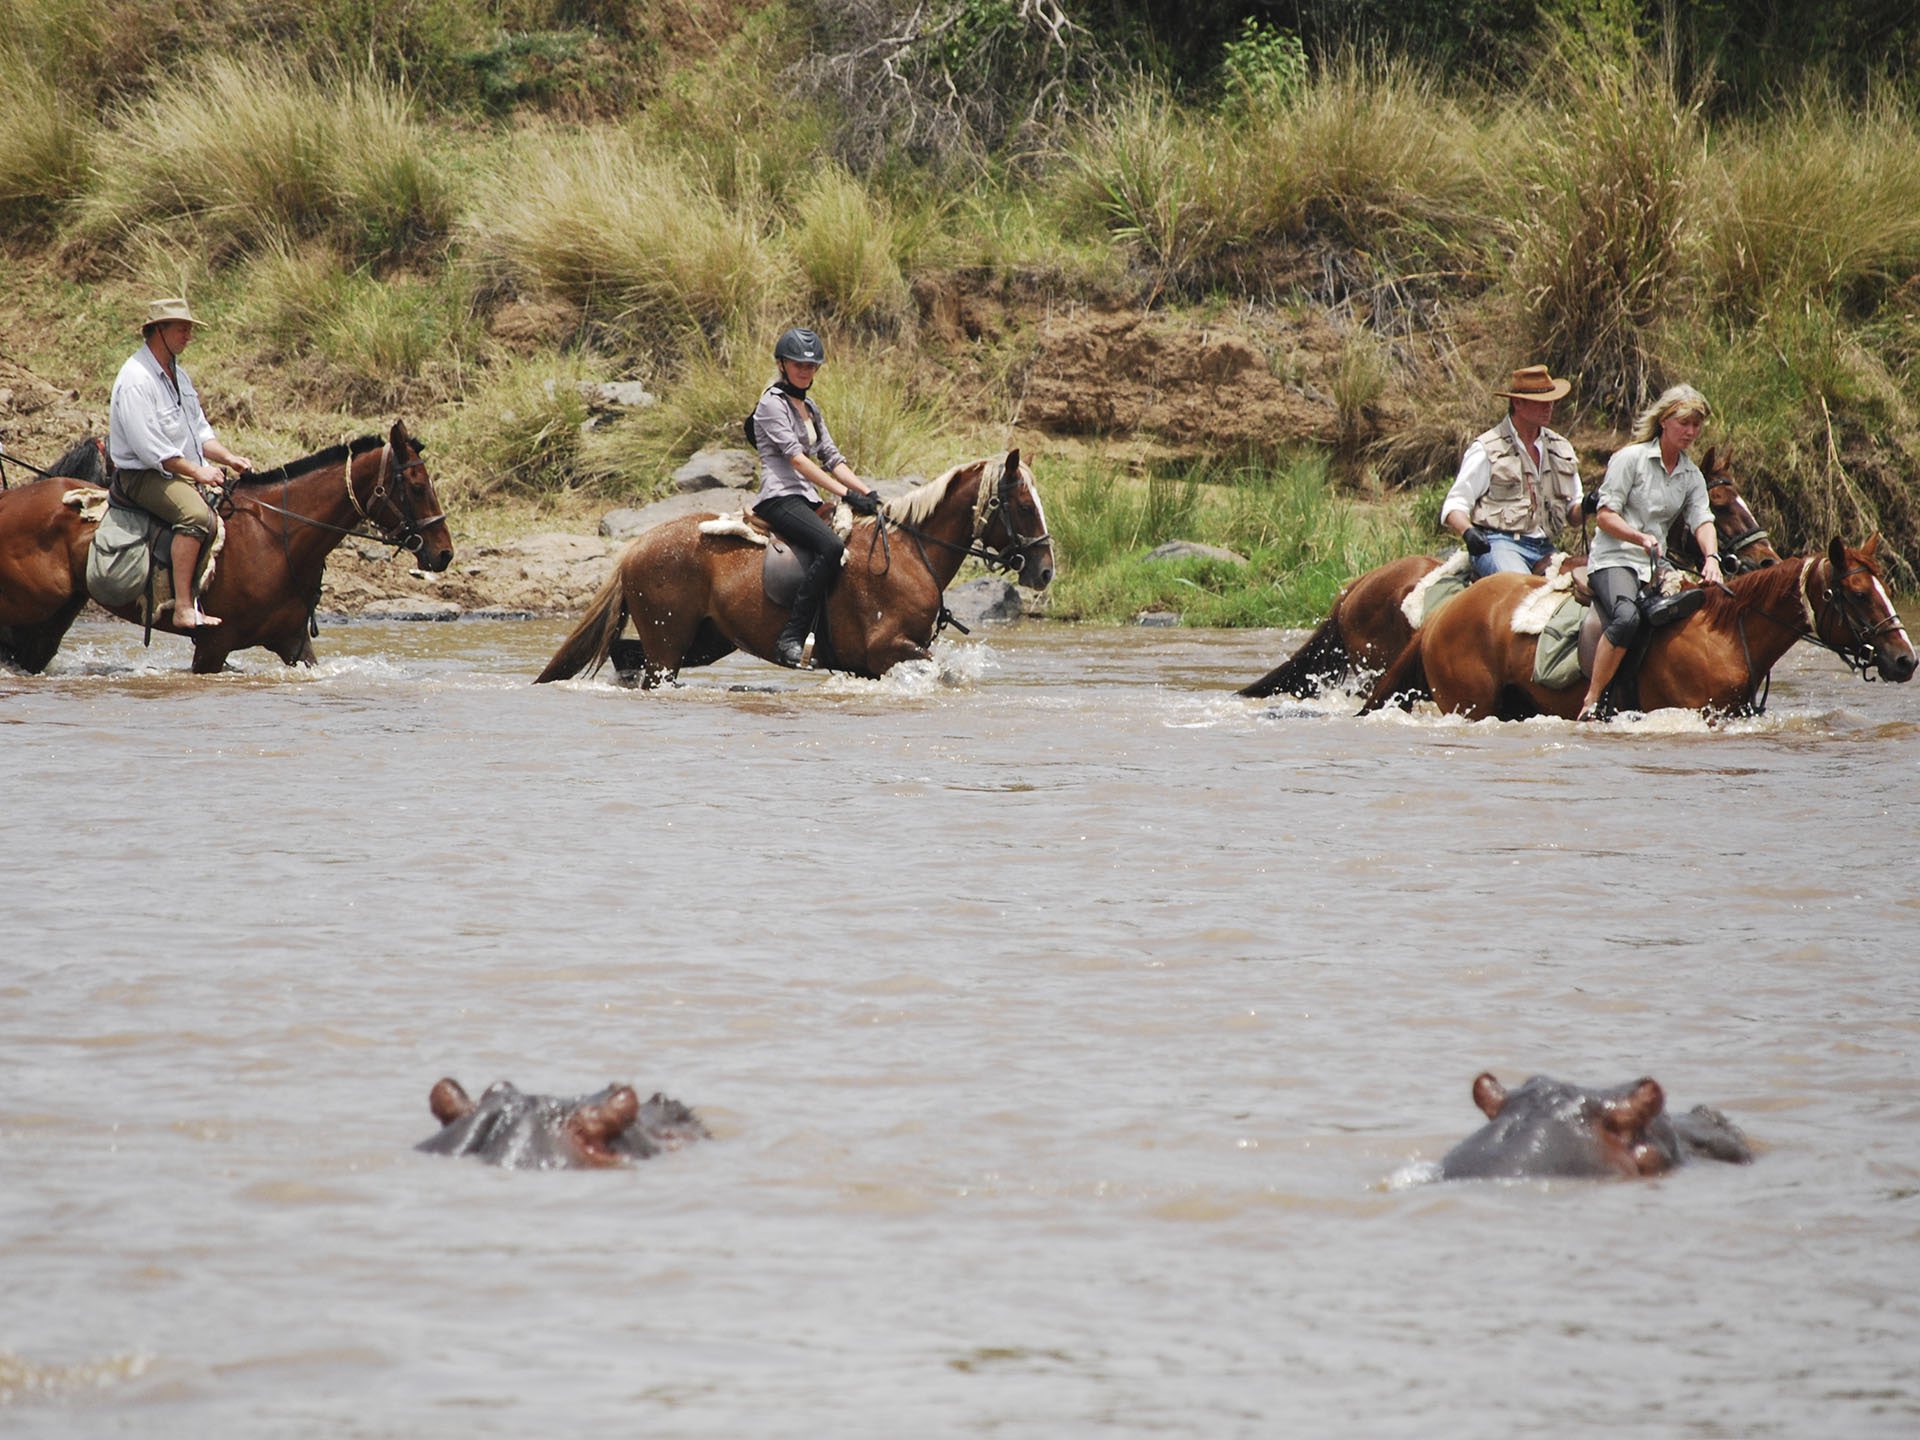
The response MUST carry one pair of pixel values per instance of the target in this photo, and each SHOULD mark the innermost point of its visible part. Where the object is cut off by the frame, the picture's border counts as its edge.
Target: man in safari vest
(1519, 484)
(158, 437)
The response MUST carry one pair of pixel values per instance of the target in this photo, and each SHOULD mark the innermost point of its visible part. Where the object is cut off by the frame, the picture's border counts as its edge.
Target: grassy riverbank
(488, 205)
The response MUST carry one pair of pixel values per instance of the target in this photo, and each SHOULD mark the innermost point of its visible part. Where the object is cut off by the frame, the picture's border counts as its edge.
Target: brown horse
(1471, 662)
(280, 528)
(695, 596)
(1367, 629)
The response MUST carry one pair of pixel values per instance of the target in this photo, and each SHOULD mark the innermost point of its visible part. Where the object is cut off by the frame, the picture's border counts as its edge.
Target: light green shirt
(1640, 491)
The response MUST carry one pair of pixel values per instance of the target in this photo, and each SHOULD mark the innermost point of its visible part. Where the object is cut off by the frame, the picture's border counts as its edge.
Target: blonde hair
(1681, 400)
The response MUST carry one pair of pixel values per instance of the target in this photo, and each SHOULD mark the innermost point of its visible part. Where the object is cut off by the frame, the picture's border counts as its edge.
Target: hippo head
(519, 1131)
(1548, 1128)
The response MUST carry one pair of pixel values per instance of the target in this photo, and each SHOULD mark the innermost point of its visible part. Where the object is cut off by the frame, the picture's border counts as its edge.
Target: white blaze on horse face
(1033, 493)
(1880, 593)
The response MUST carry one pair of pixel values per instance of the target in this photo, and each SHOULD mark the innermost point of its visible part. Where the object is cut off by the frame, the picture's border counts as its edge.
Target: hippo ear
(595, 1127)
(448, 1101)
(1635, 1111)
(1489, 1094)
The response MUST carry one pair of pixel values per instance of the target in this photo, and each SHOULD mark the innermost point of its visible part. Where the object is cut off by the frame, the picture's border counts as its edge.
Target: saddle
(781, 568)
(130, 558)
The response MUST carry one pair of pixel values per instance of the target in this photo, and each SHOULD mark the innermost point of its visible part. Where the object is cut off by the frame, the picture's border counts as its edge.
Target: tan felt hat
(1532, 382)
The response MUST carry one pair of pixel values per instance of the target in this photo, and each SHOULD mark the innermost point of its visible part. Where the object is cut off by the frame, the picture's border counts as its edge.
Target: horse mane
(1759, 590)
(319, 460)
(917, 504)
(85, 459)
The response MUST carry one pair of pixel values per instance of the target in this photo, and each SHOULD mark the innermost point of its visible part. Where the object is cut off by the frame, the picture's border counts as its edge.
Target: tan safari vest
(1510, 502)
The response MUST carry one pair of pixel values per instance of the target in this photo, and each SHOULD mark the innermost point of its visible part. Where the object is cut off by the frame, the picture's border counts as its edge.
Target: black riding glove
(1475, 541)
(1590, 504)
(863, 502)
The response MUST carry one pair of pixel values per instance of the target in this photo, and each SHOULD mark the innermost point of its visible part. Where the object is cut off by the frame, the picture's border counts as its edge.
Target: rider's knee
(1623, 624)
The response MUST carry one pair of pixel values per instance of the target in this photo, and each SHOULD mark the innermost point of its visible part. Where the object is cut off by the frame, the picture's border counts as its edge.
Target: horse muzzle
(1896, 666)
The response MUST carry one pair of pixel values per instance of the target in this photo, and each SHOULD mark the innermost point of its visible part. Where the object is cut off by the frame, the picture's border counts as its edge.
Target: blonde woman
(1648, 483)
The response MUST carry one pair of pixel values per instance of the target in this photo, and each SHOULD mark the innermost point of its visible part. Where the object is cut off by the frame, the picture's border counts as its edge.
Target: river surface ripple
(1073, 1034)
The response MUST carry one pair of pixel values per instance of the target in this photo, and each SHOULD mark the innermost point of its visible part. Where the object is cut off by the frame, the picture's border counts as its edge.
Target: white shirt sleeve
(1476, 473)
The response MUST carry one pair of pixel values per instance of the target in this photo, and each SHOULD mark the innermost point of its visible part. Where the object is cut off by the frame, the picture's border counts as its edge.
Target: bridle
(990, 502)
(1857, 656)
(407, 533)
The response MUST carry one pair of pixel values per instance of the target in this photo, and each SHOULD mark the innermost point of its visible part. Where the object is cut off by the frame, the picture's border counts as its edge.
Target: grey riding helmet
(800, 344)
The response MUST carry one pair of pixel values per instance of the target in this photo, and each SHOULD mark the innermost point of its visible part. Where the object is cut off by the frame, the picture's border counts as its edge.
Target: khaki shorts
(174, 500)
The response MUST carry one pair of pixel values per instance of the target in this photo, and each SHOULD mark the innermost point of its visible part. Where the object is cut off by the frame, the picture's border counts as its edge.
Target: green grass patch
(1302, 541)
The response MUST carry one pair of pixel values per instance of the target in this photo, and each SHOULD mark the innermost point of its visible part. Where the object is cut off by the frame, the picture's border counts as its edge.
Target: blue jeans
(1511, 552)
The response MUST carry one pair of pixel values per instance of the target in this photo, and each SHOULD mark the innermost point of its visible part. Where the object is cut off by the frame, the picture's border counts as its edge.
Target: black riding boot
(790, 647)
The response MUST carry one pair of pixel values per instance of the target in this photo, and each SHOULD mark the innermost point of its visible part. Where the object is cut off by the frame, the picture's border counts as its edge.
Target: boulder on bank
(987, 601)
(1194, 550)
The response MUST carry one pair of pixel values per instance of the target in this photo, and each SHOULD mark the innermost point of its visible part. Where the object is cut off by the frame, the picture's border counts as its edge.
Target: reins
(986, 500)
(1857, 658)
(404, 536)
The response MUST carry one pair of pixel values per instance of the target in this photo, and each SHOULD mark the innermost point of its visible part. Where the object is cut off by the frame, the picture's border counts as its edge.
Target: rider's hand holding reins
(862, 502)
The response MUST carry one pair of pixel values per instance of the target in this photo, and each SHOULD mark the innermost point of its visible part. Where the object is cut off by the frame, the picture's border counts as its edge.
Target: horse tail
(592, 639)
(1321, 661)
(1402, 682)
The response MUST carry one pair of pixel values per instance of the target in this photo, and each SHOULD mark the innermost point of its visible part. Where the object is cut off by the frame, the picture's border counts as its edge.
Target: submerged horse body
(693, 591)
(1367, 628)
(1470, 659)
(280, 527)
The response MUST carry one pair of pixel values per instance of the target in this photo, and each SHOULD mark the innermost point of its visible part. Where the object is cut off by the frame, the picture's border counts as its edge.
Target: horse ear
(1013, 461)
(1837, 557)
(1709, 462)
(1872, 547)
(397, 437)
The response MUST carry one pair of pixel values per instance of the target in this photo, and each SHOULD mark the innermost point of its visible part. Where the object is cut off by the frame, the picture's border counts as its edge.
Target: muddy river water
(1073, 1034)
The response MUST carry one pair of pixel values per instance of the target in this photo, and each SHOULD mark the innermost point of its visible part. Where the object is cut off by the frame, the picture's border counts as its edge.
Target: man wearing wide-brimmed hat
(158, 437)
(1519, 484)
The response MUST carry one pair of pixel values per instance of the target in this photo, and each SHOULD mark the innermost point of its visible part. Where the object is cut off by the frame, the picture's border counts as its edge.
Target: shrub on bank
(257, 149)
(650, 252)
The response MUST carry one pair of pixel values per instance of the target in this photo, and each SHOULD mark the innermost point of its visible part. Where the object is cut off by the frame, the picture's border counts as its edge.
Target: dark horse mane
(320, 460)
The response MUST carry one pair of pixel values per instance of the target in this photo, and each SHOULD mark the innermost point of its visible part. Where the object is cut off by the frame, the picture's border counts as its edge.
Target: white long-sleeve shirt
(149, 420)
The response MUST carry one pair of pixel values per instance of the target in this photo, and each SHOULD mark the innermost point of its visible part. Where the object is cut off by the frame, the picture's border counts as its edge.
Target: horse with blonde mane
(692, 586)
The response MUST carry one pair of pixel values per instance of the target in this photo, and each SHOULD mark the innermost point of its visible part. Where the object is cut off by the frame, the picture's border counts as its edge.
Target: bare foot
(194, 619)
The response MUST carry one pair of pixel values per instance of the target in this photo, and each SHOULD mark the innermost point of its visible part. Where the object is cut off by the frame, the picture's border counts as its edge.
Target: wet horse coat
(1367, 629)
(1471, 660)
(694, 596)
(281, 526)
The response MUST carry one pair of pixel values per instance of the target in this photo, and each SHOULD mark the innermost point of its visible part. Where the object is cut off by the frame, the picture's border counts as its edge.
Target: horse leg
(32, 647)
(1324, 660)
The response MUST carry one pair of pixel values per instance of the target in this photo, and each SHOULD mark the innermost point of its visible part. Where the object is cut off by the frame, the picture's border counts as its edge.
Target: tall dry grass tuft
(1153, 176)
(256, 149)
(1610, 159)
(647, 250)
(521, 429)
(1820, 201)
(845, 240)
(1375, 151)
(357, 340)
(46, 146)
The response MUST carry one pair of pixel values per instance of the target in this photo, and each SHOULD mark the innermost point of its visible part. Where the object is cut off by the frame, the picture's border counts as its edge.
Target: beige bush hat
(162, 311)
(1532, 382)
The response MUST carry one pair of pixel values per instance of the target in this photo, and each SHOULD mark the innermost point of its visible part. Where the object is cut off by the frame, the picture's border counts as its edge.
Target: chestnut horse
(281, 526)
(695, 596)
(1367, 628)
(1471, 662)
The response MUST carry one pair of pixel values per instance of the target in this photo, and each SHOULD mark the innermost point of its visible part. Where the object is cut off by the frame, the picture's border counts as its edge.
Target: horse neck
(323, 495)
(952, 523)
(1780, 594)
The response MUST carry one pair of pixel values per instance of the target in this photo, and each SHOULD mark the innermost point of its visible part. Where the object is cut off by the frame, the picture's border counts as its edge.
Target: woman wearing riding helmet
(798, 460)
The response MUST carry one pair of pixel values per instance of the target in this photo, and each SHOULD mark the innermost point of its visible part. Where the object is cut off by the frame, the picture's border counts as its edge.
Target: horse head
(1743, 544)
(1856, 616)
(1016, 526)
(400, 499)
